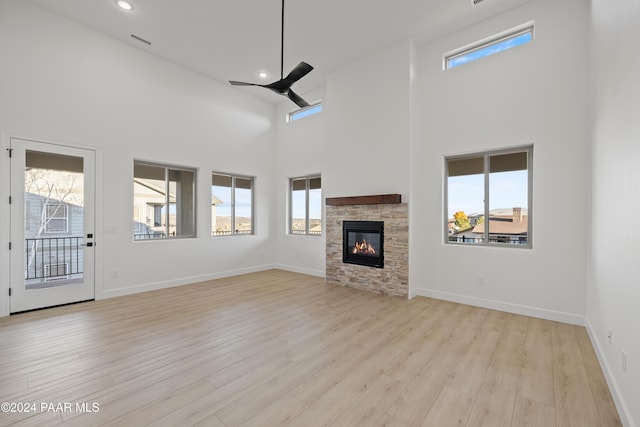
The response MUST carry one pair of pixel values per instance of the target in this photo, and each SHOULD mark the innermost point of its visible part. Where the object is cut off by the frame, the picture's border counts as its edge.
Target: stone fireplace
(368, 243)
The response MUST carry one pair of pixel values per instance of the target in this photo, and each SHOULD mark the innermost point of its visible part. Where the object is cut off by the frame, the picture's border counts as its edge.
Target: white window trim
(486, 154)
(527, 27)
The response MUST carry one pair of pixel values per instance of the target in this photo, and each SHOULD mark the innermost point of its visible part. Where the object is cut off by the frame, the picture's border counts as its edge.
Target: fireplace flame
(363, 248)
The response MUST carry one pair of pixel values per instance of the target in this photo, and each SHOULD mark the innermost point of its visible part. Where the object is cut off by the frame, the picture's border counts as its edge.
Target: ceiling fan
(283, 86)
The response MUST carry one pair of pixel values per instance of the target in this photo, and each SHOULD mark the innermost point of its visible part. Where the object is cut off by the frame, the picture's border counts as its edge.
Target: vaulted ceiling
(236, 39)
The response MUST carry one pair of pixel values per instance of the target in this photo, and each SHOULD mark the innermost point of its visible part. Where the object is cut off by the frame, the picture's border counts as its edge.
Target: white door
(52, 225)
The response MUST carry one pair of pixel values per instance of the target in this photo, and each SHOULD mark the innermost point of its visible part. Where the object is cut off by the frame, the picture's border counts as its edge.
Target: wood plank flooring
(284, 349)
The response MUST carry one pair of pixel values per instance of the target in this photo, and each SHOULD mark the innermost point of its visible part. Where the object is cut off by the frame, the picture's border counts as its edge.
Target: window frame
(486, 155)
(233, 177)
(510, 34)
(307, 179)
(49, 277)
(291, 115)
(167, 202)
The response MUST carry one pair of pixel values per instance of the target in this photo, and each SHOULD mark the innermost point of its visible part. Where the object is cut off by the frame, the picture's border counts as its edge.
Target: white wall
(300, 151)
(368, 136)
(533, 94)
(359, 143)
(62, 82)
(613, 294)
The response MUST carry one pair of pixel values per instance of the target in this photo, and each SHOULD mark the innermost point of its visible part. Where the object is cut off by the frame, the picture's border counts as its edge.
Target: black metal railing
(311, 233)
(147, 236)
(230, 233)
(511, 240)
(53, 258)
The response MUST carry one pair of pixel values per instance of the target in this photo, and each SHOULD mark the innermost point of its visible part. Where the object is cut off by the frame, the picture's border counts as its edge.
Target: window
(488, 198)
(305, 214)
(231, 204)
(56, 271)
(57, 219)
(304, 112)
(498, 43)
(168, 192)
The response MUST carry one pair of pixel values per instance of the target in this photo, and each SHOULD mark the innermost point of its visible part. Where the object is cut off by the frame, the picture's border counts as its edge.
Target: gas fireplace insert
(363, 243)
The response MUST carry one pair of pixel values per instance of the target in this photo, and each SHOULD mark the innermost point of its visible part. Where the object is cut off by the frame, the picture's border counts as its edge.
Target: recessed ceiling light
(124, 4)
(263, 75)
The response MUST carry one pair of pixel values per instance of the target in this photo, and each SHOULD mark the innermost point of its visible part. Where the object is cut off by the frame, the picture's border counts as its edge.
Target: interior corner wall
(613, 294)
(63, 82)
(359, 143)
(533, 94)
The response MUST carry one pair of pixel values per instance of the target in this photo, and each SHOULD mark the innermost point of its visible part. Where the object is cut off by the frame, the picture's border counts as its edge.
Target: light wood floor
(278, 348)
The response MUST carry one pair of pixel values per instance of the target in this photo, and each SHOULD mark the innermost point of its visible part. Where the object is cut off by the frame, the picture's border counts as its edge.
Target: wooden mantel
(364, 200)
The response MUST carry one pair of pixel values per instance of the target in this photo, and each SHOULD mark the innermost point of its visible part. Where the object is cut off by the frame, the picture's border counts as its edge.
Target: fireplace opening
(363, 243)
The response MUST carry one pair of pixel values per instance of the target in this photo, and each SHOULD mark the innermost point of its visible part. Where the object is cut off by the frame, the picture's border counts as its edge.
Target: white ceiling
(234, 39)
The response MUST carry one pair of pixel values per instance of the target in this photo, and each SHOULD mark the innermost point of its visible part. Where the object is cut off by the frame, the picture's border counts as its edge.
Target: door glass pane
(53, 219)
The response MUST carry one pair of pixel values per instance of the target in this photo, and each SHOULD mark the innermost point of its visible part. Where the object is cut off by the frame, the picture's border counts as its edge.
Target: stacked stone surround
(393, 279)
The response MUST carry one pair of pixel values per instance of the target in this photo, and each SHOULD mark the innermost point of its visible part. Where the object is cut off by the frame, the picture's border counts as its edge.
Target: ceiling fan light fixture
(263, 75)
(124, 5)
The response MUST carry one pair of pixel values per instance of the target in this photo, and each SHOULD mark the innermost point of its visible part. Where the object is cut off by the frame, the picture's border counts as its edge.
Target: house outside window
(305, 205)
(167, 195)
(139, 225)
(231, 204)
(488, 198)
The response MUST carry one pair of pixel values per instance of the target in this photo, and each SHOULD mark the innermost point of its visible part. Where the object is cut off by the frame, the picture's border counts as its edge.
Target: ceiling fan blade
(282, 86)
(301, 70)
(235, 83)
(297, 99)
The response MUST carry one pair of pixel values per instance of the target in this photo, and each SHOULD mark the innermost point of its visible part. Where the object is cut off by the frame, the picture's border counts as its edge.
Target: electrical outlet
(624, 361)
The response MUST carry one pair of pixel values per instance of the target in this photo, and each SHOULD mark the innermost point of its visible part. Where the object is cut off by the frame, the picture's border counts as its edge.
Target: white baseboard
(621, 405)
(525, 310)
(300, 270)
(110, 293)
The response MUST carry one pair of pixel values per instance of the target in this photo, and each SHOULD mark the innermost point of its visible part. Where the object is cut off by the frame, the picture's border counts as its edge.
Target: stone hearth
(393, 279)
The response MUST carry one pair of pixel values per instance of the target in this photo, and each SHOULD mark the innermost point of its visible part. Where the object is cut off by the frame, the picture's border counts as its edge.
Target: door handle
(88, 244)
